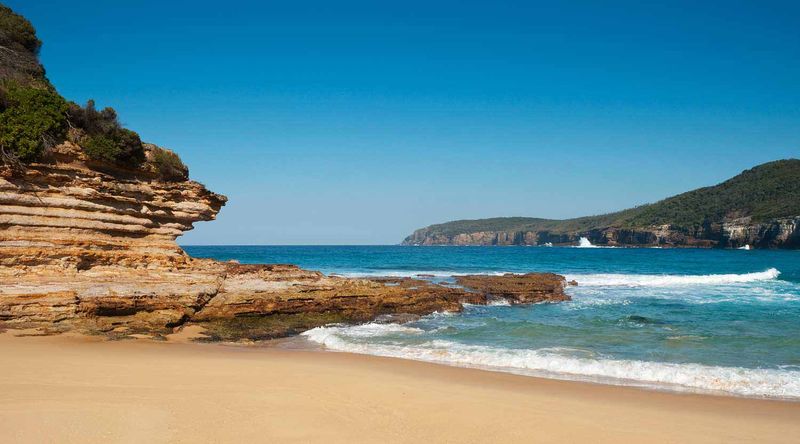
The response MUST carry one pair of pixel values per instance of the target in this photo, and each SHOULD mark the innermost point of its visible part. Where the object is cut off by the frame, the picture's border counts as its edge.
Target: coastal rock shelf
(94, 251)
(234, 302)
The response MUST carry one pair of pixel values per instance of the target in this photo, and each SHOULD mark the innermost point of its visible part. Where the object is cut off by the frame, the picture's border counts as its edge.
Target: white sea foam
(499, 303)
(584, 242)
(644, 280)
(373, 329)
(565, 363)
(586, 281)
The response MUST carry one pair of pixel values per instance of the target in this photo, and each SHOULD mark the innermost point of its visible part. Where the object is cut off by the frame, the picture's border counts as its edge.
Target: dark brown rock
(518, 288)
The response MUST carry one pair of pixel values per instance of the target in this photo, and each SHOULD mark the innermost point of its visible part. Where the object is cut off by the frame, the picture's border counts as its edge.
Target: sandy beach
(77, 389)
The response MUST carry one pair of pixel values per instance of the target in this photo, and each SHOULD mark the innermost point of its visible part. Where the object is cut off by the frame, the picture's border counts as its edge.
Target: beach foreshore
(81, 389)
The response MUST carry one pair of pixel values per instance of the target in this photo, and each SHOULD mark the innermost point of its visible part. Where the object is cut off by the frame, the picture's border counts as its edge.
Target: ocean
(697, 320)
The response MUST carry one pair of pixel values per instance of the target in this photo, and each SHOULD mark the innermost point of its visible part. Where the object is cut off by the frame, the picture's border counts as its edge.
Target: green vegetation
(768, 191)
(17, 32)
(105, 139)
(19, 50)
(34, 117)
(168, 165)
(765, 192)
(31, 121)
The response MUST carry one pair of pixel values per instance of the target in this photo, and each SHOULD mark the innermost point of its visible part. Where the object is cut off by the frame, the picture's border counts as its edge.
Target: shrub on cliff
(19, 48)
(16, 31)
(89, 119)
(106, 140)
(168, 165)
(120, 146)
(31, 121)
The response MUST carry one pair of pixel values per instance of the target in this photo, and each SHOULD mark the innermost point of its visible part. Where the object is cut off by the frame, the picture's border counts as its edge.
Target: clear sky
(336, 122)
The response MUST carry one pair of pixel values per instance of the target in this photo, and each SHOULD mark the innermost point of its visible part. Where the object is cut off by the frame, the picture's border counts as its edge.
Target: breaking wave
(561, 363)
(592, 280)
(644, 280)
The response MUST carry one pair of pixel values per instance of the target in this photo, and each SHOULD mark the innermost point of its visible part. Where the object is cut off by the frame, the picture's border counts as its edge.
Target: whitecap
(647, 280)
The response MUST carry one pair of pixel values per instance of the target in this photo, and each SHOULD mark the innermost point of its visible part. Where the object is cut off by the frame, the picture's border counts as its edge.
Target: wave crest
(644, 280)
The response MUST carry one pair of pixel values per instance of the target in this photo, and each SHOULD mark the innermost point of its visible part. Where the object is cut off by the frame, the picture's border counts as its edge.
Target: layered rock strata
(237, 301)
(89, 248)
(66, 214)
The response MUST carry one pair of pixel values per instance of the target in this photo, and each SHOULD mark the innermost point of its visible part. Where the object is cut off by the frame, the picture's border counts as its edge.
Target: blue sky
(357, 122)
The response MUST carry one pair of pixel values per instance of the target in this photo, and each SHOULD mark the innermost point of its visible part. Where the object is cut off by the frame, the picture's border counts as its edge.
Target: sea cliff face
(66, 214)
(734, 233)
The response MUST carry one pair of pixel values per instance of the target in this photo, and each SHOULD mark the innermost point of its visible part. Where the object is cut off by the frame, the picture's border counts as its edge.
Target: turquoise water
(684, 319)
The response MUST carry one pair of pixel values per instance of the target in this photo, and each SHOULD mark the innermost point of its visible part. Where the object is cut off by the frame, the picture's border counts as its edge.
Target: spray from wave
(584, 242)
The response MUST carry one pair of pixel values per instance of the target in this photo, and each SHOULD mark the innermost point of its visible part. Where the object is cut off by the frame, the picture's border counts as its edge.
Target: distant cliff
(759, 207)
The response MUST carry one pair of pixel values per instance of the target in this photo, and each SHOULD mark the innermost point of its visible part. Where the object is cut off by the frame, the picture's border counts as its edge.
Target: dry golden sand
(67, 389)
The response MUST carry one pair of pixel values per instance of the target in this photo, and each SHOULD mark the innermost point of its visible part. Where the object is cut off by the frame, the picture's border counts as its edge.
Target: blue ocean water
(723, 321)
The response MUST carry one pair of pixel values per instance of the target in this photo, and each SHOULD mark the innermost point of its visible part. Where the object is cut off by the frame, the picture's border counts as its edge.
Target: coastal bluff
(91, 248)
(759, 208)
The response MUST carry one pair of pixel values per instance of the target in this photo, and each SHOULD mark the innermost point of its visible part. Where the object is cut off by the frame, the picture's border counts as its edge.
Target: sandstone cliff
(64, 213)
(91, 247)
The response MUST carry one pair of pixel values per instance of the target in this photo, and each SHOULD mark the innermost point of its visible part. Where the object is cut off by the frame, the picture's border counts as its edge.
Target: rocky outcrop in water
(528, 288)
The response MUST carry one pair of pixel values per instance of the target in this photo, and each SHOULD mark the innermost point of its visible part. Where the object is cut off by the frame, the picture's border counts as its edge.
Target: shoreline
(303, 344)
(77, 389)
